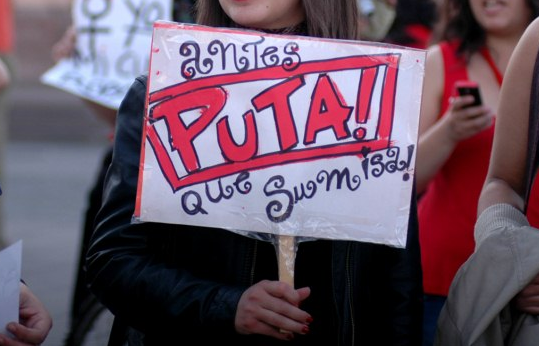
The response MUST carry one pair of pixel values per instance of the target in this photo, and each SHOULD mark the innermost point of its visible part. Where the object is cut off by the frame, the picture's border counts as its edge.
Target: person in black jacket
(178, 284)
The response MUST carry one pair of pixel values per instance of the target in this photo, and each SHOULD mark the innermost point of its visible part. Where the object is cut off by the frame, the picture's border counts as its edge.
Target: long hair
(323, 18)
(412, 12)
(458, 23)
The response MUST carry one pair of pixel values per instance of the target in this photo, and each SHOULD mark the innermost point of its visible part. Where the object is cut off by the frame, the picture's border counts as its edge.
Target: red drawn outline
(391, 60)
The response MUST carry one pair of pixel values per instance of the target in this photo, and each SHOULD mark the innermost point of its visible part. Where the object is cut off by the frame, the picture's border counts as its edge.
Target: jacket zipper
(253, 264)
(336, 305)
(350, 291)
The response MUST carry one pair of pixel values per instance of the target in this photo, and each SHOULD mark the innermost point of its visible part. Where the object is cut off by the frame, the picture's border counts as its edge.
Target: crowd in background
(466, 40)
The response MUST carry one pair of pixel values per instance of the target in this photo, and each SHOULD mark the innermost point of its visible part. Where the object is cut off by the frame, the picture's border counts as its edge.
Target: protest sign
(283, 135)
(112, 48)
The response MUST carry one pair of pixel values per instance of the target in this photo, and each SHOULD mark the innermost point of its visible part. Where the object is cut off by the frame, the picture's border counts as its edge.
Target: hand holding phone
(466, 87)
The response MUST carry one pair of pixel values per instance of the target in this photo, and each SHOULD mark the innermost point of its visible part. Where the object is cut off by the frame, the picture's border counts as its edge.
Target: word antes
(253, 57)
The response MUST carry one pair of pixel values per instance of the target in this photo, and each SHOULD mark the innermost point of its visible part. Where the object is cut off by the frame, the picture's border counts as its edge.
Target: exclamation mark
(364, 99)
(406, 175)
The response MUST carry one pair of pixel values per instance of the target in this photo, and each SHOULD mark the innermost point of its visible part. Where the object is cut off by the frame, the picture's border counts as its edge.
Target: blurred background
(54, 146)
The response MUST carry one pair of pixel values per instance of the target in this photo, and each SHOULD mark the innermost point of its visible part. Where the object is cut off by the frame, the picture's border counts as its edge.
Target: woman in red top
(455, 138)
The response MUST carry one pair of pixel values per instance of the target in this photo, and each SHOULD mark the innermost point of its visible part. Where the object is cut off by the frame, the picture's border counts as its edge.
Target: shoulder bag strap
(532, 160)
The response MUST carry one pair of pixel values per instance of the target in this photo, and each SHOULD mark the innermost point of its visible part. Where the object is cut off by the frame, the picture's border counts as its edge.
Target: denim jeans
(432, 305)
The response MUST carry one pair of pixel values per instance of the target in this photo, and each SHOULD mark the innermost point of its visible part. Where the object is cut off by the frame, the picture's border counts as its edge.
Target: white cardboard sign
(286, 135)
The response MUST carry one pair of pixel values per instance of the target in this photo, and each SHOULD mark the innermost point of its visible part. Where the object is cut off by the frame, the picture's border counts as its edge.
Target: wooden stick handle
(287, 258)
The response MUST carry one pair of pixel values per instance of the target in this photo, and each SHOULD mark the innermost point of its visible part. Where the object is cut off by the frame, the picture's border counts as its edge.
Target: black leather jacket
(176, 283)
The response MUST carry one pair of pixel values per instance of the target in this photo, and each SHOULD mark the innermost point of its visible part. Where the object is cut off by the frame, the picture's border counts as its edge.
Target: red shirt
(420, 35)
(448, 209)
(6, 27)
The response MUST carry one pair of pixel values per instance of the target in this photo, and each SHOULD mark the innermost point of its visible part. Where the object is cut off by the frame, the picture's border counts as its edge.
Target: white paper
(10, 280)
(113, 48)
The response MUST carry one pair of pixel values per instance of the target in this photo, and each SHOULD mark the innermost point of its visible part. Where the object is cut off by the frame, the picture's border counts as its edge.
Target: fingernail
(305, 330)
(309, 320)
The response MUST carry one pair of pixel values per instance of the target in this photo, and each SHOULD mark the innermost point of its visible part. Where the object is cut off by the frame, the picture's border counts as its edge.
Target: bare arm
(506, 177)
(505, 181)
(65, 47)
(5, 77)
(438, 136)
(427, 163)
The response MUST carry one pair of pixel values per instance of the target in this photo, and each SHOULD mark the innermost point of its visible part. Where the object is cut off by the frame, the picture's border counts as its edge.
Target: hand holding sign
(261, 303)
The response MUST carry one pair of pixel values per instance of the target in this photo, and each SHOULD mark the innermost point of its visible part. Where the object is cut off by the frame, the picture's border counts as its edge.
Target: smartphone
(469, 88)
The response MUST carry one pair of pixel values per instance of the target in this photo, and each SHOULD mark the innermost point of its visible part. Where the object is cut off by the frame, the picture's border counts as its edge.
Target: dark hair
(458, 23)
(411, 12)
(324, 18)
(182, 11)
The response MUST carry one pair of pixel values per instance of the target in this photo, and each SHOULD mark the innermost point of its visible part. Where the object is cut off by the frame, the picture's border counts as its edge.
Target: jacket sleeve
(124, 267)
(504, 262)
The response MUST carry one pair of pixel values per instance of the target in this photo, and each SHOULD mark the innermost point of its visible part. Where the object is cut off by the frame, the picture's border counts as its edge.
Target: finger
(471, 113)
(283, 308)
(525, 303)
(529, 291)
(304, 293)
(290, 320)
(467, 127)
(286, 304)
(34, 335)
(467, 101)
(528, 300)
(267, 305)
(256, 322)
(6, 341)
(460, 102)
(532, 310)
(280, 334)
(284, 291)
(482, 121)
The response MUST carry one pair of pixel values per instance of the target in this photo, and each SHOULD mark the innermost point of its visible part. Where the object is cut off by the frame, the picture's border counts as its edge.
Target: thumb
(303, 293)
